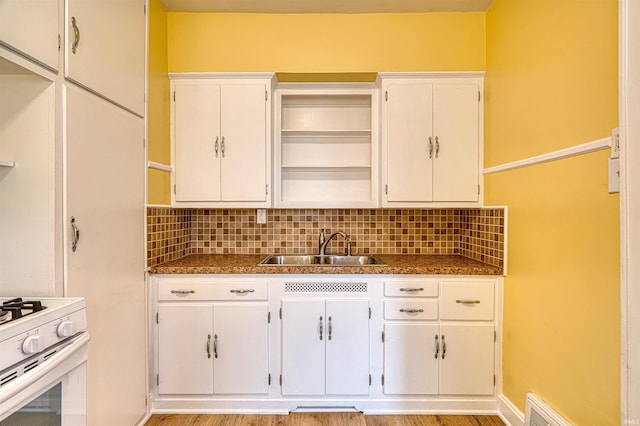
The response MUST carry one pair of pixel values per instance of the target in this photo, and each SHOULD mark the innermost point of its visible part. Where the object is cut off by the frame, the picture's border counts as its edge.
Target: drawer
(213, 290)
(411, 288)
(466, 301)
(411, 309)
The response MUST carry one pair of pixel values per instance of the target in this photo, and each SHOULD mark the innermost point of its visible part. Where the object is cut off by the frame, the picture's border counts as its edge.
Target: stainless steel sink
(318, 260)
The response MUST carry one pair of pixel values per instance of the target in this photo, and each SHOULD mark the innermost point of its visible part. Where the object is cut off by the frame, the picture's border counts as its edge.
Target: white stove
(43, 353)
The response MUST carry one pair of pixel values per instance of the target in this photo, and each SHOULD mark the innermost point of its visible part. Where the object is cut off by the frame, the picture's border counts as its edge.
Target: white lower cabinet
(443, 342)
(265, 343)
(213, 348)
(325, 347)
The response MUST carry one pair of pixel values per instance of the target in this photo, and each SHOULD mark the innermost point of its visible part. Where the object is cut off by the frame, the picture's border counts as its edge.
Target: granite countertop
(395, 264)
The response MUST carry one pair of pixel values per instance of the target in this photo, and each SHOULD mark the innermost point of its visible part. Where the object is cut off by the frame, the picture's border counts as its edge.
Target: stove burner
(17, 308)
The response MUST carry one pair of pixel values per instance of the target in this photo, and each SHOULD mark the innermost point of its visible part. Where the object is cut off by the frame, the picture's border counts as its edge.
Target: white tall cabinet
(221, 133)
(431, 139)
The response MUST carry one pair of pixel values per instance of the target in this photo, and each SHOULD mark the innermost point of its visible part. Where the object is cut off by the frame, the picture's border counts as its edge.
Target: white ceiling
(326, 6)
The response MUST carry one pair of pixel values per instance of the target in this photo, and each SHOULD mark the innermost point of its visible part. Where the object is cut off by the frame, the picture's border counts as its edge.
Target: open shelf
(326, 145)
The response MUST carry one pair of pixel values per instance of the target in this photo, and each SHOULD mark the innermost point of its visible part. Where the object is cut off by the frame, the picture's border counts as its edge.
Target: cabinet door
(410, 363)
(347, 347)
(107, 269)
(455, 168)
(244, 148)
(109, 53)
(409, 149)
(303, 342)
(185, 349)
(241, 359)
(467, 364)
(197, 141)
(31, 27)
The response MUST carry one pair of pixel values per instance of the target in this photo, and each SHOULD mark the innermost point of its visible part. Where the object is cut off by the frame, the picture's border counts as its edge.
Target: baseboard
(509, 413)
(143, 420)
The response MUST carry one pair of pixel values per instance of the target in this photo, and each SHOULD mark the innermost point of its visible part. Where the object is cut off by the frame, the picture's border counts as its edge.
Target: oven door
(52, 393)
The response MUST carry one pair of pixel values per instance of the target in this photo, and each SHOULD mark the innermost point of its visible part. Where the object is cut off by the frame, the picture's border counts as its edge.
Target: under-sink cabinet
(325, 347)
(276, 343)
(213, 338)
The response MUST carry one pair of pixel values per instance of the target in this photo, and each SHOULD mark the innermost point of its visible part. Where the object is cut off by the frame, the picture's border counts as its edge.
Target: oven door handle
(26, 380)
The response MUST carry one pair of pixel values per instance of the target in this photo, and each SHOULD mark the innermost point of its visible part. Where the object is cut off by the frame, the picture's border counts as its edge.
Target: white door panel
(105, 193)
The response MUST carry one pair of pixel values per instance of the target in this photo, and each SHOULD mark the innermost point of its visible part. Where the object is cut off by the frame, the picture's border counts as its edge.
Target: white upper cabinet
(105, 49)
(31, 28)
(221, 142)
(326, 148)
(431, 140)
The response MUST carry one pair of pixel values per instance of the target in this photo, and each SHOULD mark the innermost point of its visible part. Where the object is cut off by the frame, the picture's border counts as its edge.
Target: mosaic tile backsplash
(474, 233)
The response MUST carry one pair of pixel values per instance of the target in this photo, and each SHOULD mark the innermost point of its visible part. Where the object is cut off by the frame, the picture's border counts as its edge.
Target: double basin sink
(319, 260)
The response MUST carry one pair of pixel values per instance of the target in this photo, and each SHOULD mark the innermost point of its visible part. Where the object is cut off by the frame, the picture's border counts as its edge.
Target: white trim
(221, 75)
(158, 166)
(629, 107)
(7, 163)
(509, 413)
(584, 148)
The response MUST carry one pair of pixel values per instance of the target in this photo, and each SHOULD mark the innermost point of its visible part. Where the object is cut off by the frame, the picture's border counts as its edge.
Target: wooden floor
(320, 419)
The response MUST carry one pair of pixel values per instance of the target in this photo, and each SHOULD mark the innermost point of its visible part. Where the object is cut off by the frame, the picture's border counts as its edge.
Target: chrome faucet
(323, 245)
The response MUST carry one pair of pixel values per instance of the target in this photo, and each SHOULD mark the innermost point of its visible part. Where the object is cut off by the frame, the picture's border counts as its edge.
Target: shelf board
(7, 163)
(303, 168)
(325, 132)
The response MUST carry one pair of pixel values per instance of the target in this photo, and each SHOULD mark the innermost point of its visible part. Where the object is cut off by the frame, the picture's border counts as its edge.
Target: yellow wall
(552, 83)
(159, 107)
(326, 43)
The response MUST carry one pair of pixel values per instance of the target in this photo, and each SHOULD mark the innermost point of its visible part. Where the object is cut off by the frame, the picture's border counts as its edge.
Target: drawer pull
(182, 292)
(412, 289)
(411, 311)
(468, 302)
(242, 291)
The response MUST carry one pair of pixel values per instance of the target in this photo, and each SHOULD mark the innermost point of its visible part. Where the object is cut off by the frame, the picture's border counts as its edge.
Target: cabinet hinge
(280, 313)
(269, 317)
(157, 317)
(386, 189)
(369, 313)
(383, 380)
(386, 95)
(59, 42)
(266, 96)
(269, 379)
(281, 380)
(383, 336)
(369, 379)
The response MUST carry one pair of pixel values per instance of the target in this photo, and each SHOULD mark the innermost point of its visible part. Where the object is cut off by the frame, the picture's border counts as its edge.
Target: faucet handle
(348, 246)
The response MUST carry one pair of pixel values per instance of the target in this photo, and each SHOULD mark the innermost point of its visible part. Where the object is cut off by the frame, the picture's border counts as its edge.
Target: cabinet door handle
(208, 346)
(182, 292)
(242, 290)
(437, 147)
(437, 347)
(444, 347)
(411, 311)
(321, 328)
(217, 145)
(76, 35)
(215, 346)
(222, 146)
(412, 289)
(430, 147)
(468, 302)
(329, 329)
(75, 234)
